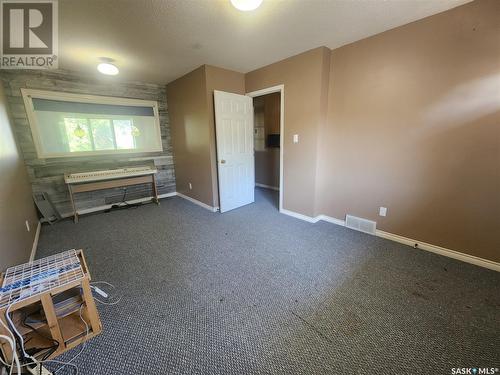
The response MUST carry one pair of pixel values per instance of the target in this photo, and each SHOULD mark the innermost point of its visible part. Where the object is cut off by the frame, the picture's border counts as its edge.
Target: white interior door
(235, 155)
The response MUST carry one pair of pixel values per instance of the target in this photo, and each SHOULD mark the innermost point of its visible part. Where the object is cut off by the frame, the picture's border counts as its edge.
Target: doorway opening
(268, 144)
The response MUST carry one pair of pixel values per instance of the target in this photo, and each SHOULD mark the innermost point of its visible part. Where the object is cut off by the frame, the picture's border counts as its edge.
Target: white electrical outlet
(27, 225)
(190, 186)
(295, 138)
(382, 211)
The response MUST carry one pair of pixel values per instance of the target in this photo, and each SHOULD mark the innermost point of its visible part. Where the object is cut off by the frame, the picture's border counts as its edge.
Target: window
(100, 134)
(76, 125)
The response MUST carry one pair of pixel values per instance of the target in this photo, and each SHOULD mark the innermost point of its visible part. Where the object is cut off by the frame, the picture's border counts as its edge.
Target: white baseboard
(35, 241)
(407, 241)
(140, 200)
(311, 219)
(299, 216)
(330, 219)
(132, 201)
(108, 206)
(201, 204)
(166, 195)
(440, 250)
(267, 186)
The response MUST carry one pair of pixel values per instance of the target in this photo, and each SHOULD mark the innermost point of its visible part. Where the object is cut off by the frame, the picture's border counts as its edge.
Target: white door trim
(281, 90)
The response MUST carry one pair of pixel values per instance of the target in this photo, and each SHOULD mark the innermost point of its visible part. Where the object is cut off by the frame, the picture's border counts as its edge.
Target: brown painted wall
(408, 119)
(16, 202)
(191, 135)
(303, 78)
(191, 110)
(414, 125)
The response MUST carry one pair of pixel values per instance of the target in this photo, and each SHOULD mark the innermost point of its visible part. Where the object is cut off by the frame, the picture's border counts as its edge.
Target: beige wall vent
(360, 224)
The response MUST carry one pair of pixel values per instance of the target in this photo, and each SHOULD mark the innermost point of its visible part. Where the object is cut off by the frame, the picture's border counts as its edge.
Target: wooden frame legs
(155, 191)
(72, 199)
(100, 185)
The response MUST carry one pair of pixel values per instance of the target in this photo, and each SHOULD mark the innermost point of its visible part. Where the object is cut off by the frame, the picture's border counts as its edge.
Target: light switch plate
(382, 211)
(295, 138)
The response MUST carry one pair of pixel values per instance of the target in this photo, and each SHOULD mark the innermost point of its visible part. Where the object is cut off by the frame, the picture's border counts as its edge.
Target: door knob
(223, 161)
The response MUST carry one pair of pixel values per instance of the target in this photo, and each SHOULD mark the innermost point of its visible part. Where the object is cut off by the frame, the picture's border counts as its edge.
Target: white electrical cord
(98, 291)
(34, 361)
(82, 348)
(9, 340)
(53, 361)
(12, 340)
(15, 359)
(68, 363)
(62, 363)
(21, 341)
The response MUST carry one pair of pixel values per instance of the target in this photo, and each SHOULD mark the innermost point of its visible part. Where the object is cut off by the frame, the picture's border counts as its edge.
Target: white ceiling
(160, 40)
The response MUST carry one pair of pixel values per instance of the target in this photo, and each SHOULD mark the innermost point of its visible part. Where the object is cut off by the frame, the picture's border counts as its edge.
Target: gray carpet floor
(253, 291)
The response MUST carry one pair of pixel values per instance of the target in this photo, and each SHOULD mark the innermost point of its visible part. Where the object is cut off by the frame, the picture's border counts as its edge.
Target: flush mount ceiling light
(106, 67)
(246, 5)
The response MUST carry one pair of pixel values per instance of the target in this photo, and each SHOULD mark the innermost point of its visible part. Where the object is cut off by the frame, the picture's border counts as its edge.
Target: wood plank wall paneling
(47, 174)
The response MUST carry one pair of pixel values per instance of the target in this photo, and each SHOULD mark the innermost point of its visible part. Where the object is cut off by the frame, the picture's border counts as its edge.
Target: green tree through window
(97, 134)
(103, 134)
(77, 131)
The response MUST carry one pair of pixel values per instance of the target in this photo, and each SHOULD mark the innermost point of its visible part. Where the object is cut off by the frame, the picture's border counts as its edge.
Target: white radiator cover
(360, 224)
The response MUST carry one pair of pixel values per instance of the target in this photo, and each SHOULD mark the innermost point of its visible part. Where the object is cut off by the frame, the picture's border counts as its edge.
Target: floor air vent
(360, 224)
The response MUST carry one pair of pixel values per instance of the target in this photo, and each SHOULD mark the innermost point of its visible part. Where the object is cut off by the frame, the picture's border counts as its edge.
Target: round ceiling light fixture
(246, 5)
(106, 67)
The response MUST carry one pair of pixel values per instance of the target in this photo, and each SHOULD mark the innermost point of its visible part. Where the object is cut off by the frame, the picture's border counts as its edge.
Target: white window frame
(29, 94)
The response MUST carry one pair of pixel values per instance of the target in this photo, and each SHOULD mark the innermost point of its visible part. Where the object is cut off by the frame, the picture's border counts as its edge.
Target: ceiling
(160, 40)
